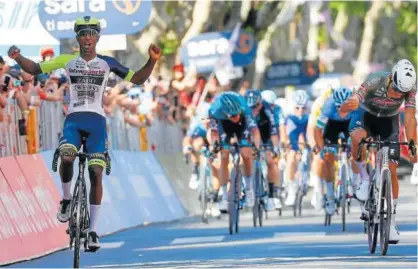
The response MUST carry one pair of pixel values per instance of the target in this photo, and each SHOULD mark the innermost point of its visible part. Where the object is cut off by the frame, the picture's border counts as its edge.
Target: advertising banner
(203, 51)
(18, 21)
(116, 16)
(291, 73)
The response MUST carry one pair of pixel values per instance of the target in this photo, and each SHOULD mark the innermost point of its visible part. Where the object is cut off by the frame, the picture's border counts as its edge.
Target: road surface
(283, 242)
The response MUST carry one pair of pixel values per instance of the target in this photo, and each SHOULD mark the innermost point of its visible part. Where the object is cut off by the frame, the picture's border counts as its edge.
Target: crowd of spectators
(169, 99)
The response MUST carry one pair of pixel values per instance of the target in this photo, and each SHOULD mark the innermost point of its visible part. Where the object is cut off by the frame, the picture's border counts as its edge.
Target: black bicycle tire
(385, 222)
(77, 239)
(238, 178)
(371, 226)
(203, 194)
(231, 202)
(343, 202)
(257, 201)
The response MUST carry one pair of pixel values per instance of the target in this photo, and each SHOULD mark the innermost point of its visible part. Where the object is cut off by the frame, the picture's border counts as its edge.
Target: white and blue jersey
(296, 126)
(329, 111)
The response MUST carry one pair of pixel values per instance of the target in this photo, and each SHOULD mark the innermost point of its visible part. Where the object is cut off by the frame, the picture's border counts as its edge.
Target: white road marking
(111, 245)
(194, 240)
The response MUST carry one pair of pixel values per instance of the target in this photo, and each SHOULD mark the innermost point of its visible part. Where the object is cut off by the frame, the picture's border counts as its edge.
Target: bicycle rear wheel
(237, 198)
(256, 207)
(77, 240)
(385, 212)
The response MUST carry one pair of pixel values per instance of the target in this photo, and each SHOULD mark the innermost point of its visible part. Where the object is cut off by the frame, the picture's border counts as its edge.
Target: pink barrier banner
(13, 224)
(46, 192)
(34, 198)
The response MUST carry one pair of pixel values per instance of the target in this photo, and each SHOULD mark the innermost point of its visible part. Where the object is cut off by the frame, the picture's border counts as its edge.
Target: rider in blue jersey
(267, 119)
(296, 124)
(230, 115)
(330, 124)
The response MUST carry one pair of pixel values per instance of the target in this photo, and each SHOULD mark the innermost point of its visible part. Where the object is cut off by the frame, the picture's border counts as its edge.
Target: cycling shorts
(90, 123)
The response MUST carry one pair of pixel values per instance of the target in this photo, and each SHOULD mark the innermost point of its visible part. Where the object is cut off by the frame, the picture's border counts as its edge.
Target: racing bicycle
(378, 207)
(205, 182)
(260, 188)
(79, 222)
(235, 190)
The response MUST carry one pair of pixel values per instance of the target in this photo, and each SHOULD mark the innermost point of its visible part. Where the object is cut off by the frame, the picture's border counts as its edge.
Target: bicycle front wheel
(77, 240)
(203, 193)
(343, 195)
(256, 208)
(231, 201)
(385, 212)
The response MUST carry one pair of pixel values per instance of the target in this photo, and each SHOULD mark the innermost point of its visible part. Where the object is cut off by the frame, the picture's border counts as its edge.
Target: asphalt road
(284, 242)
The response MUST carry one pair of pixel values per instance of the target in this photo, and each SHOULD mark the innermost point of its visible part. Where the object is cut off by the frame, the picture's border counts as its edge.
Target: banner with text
(291, 73)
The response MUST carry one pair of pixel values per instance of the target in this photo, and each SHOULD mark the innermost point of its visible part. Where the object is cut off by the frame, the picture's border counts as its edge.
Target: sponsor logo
(87, 80)
(128, 7)
(79, 103)
(86, 72)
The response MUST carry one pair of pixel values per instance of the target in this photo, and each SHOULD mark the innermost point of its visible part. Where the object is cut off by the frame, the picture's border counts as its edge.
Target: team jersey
(329, 111)
(267, 120)
(317, 105)
(296, 125)
(88, 80)
(373, 96)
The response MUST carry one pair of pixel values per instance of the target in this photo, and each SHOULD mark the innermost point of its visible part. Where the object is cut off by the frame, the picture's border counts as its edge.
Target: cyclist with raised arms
(377, 104)
(229, 114)
(267, 123)
(330, 124)
(295, 132)
(88, 73)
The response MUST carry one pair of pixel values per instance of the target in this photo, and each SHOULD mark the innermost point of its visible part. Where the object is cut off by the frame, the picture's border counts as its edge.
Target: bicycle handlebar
(376, 144)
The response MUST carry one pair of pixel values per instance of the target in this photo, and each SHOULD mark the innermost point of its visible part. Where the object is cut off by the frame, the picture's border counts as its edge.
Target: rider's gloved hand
(316, 149)
(13, 52)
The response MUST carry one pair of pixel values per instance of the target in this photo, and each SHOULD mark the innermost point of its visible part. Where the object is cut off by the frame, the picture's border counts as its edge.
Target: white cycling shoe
(291, 195)
(362, 192)
(414, 176)
(317, 200)
(271, 205)
(330, 206)
(223, 205)
(394, 235)
(193, 182)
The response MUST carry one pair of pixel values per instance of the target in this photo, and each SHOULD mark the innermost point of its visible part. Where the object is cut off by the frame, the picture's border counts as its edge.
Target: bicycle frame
(382, 165)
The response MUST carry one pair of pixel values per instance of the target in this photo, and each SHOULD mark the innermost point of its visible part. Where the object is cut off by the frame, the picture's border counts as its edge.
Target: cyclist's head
(341, 94)
(231, 105)
(253, 98)
(88, 33)
(300, 99)
(404, 77)
(269, 96)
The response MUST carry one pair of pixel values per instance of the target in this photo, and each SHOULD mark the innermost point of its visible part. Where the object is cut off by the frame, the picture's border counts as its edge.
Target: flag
(224, 66)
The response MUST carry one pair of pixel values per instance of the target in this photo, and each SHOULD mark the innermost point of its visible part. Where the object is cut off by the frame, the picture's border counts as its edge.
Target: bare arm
(28, 65)
(411, 124)
(143, 74)
(318, 138)
(3, 101)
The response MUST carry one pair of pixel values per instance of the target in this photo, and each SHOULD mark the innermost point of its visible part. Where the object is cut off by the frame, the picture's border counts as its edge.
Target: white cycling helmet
(300, 98)
(269, 96)
(403, 76)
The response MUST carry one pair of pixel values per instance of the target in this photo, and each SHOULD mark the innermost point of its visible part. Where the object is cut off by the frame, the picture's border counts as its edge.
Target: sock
(94, 216)
(356, 180)
(330, 189)
(248, 182)
(66, 190)
(271, 190)
(224, 192)
(316, 182)
(363, 173)
(395, 203)
(195, 169)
